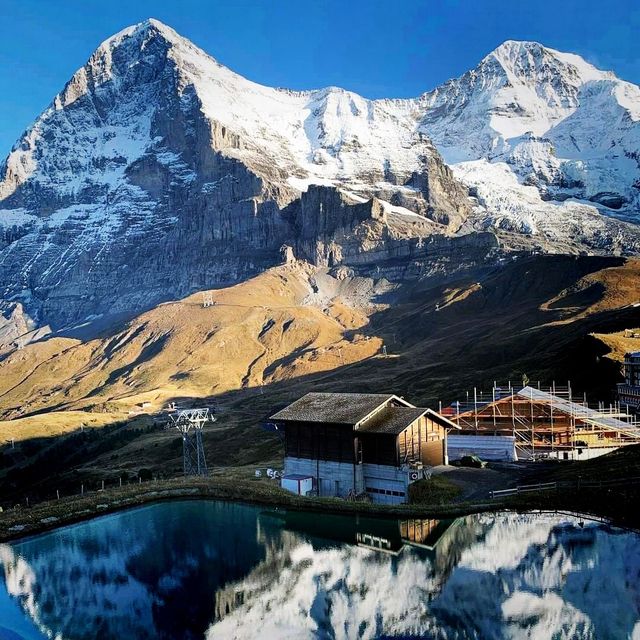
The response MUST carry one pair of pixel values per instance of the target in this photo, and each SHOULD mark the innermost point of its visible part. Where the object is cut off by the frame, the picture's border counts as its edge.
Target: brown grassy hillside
(255, 333)
(290, 330)
(290, 324)
(620, 342)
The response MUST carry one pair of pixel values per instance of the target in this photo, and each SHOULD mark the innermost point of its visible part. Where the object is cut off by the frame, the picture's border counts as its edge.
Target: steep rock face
(551, 120)
(157, 172)
(329, 225)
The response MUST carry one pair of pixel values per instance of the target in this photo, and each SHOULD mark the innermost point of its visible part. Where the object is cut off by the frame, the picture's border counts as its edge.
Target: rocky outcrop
(327, 225)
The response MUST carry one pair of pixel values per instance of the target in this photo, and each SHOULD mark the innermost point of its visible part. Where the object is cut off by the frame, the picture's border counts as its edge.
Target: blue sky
(378, 48)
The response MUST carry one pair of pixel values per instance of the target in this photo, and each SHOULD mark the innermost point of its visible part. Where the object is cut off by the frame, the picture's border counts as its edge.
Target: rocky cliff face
(157, 172)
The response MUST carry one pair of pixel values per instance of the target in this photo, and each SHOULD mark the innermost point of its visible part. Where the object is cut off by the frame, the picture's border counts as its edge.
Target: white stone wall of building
(485, 447)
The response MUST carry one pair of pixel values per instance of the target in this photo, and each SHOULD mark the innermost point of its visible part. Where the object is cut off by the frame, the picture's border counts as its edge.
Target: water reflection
(215, 570)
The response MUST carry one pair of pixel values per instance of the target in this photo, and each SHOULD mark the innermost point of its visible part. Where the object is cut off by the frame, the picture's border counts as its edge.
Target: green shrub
(436, 490)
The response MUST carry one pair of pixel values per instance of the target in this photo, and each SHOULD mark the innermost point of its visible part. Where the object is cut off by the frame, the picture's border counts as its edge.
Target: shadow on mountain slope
(489, 324)
(499, 331)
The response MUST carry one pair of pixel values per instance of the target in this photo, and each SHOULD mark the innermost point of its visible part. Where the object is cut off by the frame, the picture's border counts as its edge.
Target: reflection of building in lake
(427, 534)
(486, 576)
(420, 539)
(419, 532)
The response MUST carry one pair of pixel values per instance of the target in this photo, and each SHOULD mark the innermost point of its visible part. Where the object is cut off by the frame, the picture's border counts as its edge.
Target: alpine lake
(204, 569)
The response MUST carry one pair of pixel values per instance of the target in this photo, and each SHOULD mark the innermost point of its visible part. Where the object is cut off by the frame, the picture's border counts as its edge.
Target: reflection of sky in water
(216, 570)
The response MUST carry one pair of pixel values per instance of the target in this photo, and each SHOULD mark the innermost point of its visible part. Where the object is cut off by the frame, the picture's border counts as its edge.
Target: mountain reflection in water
(197, 569)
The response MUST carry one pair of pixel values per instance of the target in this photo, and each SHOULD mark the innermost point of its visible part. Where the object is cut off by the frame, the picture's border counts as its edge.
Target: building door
(385, 490)
(327, 487)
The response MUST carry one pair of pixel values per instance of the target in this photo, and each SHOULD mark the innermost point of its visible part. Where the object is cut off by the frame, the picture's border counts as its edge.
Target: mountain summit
(551, 120)
(327, 135)
(157, 172)
(520, 88)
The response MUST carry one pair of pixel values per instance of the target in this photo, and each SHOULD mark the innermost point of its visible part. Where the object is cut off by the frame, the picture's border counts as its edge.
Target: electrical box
(298, 484)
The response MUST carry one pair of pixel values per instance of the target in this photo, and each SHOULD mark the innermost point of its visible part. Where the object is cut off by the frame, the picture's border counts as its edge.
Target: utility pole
(475, 408)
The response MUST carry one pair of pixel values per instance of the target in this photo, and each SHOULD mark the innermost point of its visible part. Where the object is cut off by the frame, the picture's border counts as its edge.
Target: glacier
(558, 123)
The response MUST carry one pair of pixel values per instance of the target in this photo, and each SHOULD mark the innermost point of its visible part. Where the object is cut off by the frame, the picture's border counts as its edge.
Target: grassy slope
(515, 320)
(608, 486)
(623, 463)
(434, 498)
(256, 333)
(619, 343)
(532, 316)
(20, 521)
(55, 424)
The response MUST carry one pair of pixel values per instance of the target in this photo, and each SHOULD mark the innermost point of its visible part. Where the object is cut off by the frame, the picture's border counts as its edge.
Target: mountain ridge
(552, 120)
(157, 172)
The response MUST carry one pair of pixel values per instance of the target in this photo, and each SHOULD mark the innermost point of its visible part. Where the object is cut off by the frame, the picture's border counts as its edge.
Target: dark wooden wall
(319, 441)
(422, 440)
(379, 448)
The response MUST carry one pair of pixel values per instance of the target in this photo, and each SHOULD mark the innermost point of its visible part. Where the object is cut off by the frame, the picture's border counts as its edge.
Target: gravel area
(478, 483)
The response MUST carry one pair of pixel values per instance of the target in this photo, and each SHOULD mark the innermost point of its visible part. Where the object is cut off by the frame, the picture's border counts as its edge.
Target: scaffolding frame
(544, 422)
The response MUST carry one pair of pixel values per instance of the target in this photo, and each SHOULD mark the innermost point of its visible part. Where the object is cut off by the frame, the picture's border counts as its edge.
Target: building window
(385, 492)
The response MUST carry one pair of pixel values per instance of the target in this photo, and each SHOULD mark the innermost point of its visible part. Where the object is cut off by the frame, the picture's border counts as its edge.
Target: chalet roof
(364, 411)
(392, 420)
(336, 408)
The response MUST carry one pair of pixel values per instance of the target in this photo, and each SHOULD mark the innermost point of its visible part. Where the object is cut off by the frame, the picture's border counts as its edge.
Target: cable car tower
(189, 422)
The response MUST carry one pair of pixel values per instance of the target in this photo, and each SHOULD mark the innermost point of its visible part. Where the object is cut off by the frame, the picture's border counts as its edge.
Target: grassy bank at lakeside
(22, 521)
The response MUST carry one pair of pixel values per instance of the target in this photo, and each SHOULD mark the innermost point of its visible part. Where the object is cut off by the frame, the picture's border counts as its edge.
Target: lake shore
(20, 522)
(23, 521)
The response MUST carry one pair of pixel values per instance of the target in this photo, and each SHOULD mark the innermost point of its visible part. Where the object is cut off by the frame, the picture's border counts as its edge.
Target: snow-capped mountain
(157, 172)
(547, 119)
(329, 135)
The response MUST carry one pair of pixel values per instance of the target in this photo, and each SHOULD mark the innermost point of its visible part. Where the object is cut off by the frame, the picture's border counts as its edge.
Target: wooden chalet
(351, 443)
